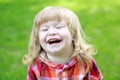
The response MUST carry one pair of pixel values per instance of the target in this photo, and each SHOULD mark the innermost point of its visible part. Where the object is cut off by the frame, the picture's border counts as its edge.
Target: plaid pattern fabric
(46, 70)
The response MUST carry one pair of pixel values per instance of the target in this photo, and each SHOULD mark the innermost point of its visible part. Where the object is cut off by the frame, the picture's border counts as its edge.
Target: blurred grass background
(100, 20)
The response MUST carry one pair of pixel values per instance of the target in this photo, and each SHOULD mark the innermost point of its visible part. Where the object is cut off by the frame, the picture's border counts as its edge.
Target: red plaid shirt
(46, 70)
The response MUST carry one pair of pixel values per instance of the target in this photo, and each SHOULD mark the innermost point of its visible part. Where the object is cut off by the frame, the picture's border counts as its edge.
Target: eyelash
(59, 27)
(44, 29)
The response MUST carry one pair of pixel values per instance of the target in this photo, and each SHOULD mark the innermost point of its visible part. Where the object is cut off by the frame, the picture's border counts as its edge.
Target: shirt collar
(54, 65)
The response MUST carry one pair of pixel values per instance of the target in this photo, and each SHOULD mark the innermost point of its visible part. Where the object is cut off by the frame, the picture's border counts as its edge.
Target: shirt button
(59, 66)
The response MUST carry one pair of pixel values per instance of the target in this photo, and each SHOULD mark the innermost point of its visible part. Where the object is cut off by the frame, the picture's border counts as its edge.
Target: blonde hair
(82, 48)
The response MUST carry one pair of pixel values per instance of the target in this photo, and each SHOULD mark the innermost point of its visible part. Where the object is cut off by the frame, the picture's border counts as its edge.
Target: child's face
(55, 37)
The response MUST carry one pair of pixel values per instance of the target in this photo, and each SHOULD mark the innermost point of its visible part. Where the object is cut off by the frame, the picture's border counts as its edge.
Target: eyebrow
(46, 25)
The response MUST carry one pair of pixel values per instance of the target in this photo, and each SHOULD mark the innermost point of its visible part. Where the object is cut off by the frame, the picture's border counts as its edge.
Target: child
(58, 49)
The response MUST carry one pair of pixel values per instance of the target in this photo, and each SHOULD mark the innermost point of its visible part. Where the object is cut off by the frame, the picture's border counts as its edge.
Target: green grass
(100, 21)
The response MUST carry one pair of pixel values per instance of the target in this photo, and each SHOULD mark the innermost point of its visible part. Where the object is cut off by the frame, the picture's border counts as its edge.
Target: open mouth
(54, 41)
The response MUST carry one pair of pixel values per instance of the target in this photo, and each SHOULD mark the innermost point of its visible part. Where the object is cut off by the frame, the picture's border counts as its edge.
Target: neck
(62, 58)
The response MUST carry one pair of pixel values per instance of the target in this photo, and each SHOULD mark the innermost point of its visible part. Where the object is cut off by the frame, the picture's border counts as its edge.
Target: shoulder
(34, 70)
(36, 66)
(95, 72)
(93, 66)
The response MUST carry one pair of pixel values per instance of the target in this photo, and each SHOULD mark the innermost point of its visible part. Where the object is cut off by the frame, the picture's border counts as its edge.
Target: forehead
(54, 23)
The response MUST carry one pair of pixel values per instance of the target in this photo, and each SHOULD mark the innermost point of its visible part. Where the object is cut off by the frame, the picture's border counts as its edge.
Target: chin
(56, 50)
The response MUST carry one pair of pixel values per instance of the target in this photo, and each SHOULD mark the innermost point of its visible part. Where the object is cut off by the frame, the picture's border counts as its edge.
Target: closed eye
(60, 26)
(44, 29)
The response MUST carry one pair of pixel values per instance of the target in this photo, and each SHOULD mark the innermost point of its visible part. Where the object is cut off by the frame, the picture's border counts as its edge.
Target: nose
(52, 32)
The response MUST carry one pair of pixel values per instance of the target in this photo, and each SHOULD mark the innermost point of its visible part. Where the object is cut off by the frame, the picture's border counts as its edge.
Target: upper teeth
(53, 40)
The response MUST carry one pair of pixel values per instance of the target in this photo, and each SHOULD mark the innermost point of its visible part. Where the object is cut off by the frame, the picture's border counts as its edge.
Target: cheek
(41, 38)
(67, 37)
